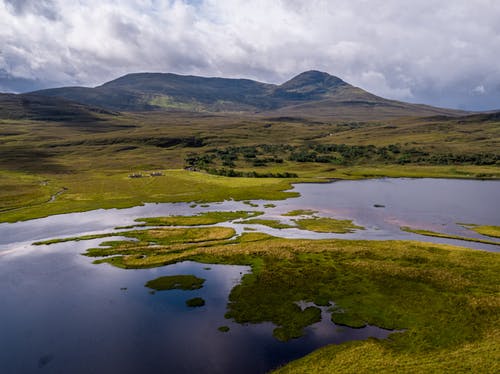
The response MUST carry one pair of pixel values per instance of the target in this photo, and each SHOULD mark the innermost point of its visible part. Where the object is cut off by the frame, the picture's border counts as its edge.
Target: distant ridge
(311, 93)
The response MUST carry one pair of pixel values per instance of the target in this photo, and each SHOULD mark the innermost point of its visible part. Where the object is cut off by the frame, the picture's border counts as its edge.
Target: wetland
(327, 272)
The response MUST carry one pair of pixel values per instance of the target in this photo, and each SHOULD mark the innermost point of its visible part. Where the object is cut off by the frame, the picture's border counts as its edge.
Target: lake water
(62, 314)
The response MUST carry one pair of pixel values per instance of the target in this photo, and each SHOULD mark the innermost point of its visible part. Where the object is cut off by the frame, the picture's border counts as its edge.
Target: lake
(61, 313)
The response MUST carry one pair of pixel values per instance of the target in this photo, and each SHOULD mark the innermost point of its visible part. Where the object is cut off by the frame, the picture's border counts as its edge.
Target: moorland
(167, 138)
(61, 156)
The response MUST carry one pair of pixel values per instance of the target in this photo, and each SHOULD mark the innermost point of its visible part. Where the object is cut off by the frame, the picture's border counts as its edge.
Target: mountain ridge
(309, 93)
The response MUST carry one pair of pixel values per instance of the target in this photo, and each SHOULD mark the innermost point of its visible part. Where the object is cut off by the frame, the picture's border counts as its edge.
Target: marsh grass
(275, 224)
(493, 231)
(195, 302)
(328, 225)
(176, 282)
(223, 328)
(207, 218)
(300, 212)
(449, 236)
(75, 239)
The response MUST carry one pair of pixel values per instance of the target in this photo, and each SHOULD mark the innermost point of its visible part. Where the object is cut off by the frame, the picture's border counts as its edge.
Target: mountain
(43, 108)
(312, 93)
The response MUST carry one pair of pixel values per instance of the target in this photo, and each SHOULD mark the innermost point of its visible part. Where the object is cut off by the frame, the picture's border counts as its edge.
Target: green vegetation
(207, 218)
(445, 299)
(336, 154)
(323, 224)
(447, 236)
(156, 247)
(87, 192)
(195, 302)
(493, 231)
(300, 212)
(89, 156)
(223, 328)
(161, 237)
(275, 224)
(76, 239)
(269, 205)
(176, 282)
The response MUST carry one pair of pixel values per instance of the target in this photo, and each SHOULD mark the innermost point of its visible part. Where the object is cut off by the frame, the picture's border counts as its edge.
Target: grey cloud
(426, 51)
(45, 8)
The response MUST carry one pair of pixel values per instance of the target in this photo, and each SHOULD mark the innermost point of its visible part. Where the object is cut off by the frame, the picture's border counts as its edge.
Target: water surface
(61, 313)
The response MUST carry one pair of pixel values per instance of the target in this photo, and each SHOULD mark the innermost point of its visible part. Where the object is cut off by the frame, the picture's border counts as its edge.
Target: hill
(311, 93)
(46, 108)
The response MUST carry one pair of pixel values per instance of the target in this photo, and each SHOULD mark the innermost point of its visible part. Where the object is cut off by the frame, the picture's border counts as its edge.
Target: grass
(88, 192)
(447, 236)
(176, 282)
(154, 244)
(207, 218)
(330, 225)
(195, 302)
(75, 239)
(93, 160)
(300, 212)
(223, 328)
(444, 298)
(493, 231)
(20, 189)
(275, 224)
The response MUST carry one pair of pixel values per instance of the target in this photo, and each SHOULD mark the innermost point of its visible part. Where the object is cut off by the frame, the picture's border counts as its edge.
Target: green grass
(75, 239)
(207, 218)
(100, 191)
(22, 189)
(176, 282)
(493, 231)
(445, 299)
(93, 160)
(300, 212)
(275, 224)
(195, 302)
(151, 246)
(323, 224)
(447, 236)
(223, 328)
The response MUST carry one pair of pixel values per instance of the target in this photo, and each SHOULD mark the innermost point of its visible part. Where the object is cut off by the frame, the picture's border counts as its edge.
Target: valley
(334, 228)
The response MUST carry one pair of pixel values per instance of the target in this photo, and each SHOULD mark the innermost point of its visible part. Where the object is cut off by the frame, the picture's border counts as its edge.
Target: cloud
(480, 90)
(44, 8)
(433, 52)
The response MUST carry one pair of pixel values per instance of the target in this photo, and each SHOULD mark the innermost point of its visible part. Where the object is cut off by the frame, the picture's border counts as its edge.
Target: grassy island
(195, 302)
(493, 231)
(176, 282)
(448, 236)
(207, 218)
(331, 225)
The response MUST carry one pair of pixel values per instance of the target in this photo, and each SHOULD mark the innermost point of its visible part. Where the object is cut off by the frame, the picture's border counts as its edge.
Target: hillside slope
(311, 93)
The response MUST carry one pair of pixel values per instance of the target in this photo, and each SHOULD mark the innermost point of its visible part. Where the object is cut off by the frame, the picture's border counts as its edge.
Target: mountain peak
(309, 85)
(314, 77)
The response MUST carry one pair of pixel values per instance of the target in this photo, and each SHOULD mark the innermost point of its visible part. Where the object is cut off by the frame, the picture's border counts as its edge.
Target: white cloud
(423, 51)
(480, 90)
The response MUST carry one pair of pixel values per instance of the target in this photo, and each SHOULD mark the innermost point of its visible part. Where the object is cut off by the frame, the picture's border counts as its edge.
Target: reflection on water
(60, 313)
(431, 204)
(64, 314)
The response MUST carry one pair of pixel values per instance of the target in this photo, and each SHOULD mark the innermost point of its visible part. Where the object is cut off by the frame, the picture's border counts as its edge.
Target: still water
(62, 314)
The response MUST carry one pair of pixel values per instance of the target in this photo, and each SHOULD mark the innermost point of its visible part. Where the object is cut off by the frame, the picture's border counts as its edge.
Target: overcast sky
(444, 53)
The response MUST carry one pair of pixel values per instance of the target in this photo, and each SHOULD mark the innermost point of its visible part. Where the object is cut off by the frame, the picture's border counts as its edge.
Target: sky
(443, 53)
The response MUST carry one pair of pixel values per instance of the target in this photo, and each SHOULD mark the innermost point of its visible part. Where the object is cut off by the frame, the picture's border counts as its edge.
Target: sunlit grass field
(57, 167)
